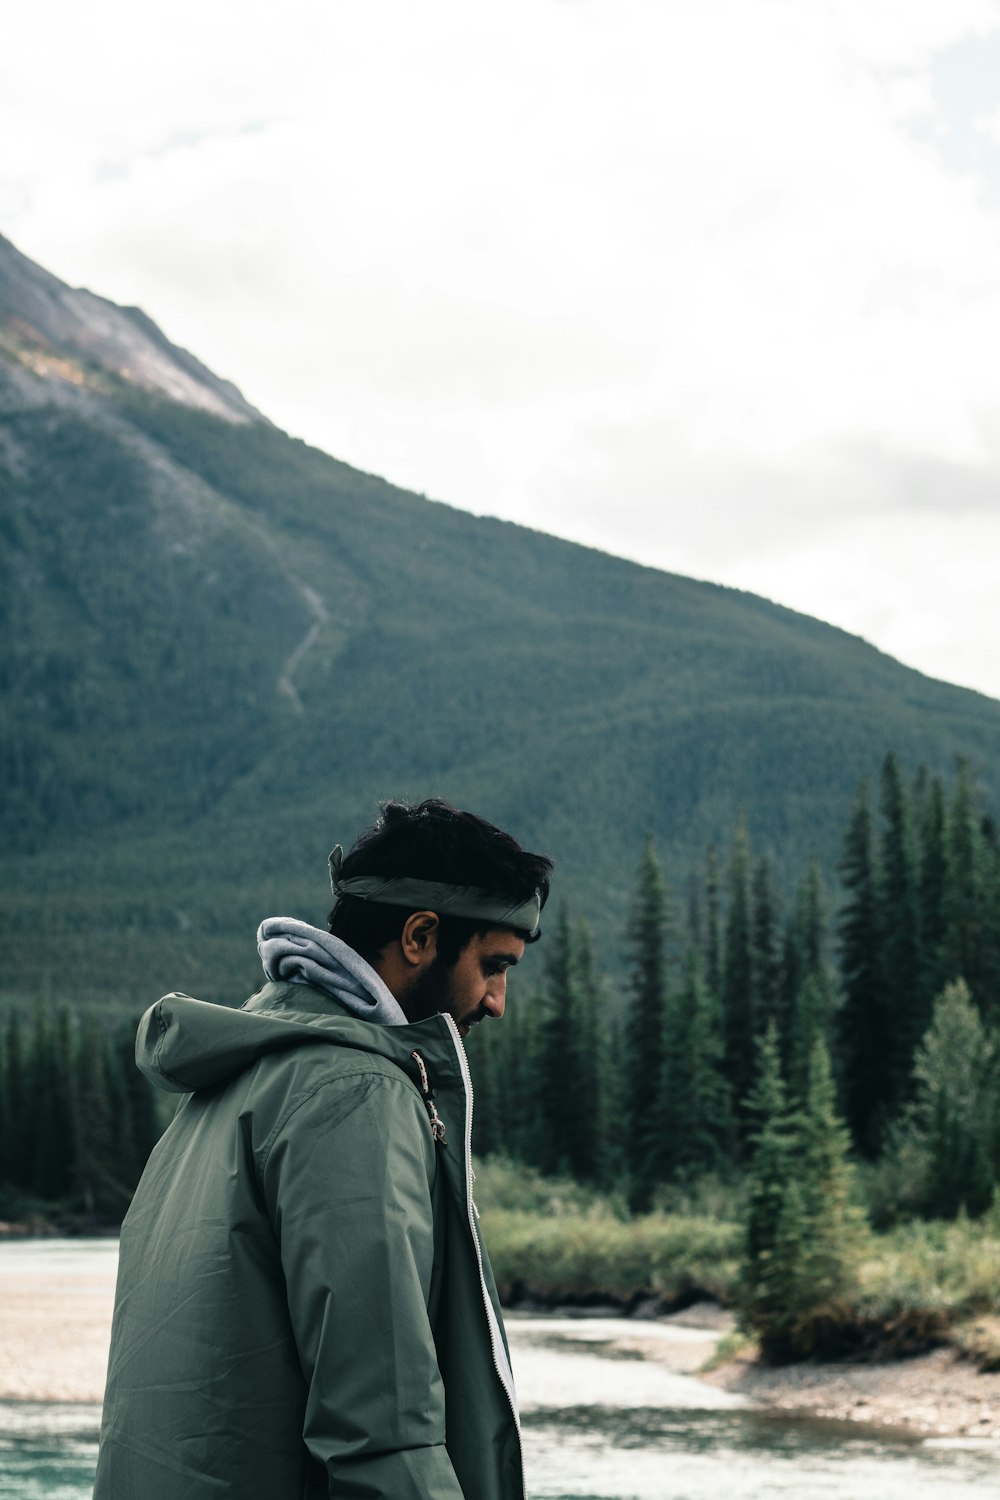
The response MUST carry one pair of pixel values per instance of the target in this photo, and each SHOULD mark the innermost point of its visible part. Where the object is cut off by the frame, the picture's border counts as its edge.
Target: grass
(919, 1285)
(731, 1346)
(555, 1241)
(509, 1187)
(579, 1257)
(925, 1281)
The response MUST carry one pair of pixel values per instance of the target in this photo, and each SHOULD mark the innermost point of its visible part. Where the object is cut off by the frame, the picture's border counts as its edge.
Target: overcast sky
(713, 284)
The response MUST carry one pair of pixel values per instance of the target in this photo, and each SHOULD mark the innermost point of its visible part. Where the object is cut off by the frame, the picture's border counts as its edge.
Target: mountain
(221, 647)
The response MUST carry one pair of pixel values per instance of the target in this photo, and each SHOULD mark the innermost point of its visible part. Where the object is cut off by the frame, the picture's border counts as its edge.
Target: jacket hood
(185, 1044)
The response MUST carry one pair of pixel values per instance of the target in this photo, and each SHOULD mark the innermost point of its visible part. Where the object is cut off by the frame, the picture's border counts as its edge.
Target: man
(304, 1305)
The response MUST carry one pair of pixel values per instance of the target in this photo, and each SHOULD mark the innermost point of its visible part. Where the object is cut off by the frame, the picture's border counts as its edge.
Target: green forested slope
(220, 647)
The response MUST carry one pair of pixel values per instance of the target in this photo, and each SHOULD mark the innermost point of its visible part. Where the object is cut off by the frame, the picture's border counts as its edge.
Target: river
(603, 1420)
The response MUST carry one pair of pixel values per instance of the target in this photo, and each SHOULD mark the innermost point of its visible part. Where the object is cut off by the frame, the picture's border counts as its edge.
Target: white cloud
(694, 283)
(903, 34)
(989, 125)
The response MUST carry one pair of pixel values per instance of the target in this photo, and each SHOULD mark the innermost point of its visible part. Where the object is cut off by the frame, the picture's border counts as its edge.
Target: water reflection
(646, 1432)
(589, 1455)
(47, 1451)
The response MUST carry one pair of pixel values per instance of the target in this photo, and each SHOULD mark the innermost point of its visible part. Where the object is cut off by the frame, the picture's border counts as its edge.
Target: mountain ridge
(223, 646)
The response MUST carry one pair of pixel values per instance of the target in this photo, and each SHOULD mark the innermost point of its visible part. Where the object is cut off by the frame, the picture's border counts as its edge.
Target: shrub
(578, 1257)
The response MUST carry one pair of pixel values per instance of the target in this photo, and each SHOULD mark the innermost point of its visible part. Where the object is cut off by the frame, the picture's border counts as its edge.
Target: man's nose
(495, 1000)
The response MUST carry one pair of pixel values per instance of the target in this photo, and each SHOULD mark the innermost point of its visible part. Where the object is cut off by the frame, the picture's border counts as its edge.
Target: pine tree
(964, 896)
(862, 1023)
(765, 1004)
(486, 1069)
(775, 1218)
(695, 912)
(143, 1130)
(899, 934)
(559, 1099)
(695, 1106)
(808, 981)
(713, 931)
(920, 796)
(18, 1107)
(520, 1081)
(591, 1147)
(4, 1127)
(51, 1129)
(649, 935)
(95, 1119)
(932, 892)
(990, 886)
(836, 1232)
(954, 1114)
(615, 1101)
(737, 976)
(803, 1233)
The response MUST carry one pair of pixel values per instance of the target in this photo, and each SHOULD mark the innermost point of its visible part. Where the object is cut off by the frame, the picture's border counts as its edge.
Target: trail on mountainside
(320, 615)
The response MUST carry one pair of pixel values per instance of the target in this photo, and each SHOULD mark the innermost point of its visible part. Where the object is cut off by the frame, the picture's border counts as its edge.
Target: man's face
(475, 986)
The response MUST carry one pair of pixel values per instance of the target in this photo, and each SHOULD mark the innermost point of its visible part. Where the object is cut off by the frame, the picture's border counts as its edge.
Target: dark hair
(435, 841)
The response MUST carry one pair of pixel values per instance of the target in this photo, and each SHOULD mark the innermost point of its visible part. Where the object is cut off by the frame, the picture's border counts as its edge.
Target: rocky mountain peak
(66, 334)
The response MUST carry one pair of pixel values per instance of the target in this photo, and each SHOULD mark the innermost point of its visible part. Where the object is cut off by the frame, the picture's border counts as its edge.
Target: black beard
(429, 994)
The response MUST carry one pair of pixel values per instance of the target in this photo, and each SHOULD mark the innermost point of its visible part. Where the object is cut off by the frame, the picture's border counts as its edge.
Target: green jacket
(305, 1307)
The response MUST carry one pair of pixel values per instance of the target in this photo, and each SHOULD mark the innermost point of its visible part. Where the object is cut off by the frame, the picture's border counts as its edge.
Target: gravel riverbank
(937, 1395)
(57, 1297)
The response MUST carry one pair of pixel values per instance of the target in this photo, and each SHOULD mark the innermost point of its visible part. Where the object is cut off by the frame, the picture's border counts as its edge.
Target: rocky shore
(936, 1395)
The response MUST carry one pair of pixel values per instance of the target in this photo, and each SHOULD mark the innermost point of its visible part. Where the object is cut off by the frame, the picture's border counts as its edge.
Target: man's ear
(419, 938)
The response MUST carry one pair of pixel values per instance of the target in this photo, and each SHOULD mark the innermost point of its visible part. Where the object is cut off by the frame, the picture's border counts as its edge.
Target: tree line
(77, 1119)
(893, 999)
(742, 1017)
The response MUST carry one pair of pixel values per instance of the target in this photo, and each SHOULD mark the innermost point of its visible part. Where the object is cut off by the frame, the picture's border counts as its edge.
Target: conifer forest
(888, 988)
(828, 1060)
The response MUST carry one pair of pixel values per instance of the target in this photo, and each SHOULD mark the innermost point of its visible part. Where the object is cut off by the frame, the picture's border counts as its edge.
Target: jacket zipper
(500, 1361)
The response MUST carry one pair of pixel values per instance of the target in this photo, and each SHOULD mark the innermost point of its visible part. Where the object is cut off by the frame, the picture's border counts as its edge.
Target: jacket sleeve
(348, 1184)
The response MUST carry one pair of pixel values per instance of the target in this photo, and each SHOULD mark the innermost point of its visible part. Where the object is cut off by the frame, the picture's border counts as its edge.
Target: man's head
(435, 959)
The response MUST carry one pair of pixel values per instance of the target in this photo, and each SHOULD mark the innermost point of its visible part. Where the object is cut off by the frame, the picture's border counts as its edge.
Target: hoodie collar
(296, 953)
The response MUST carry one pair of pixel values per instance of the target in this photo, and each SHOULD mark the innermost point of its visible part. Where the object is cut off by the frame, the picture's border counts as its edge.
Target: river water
(601, 1422)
